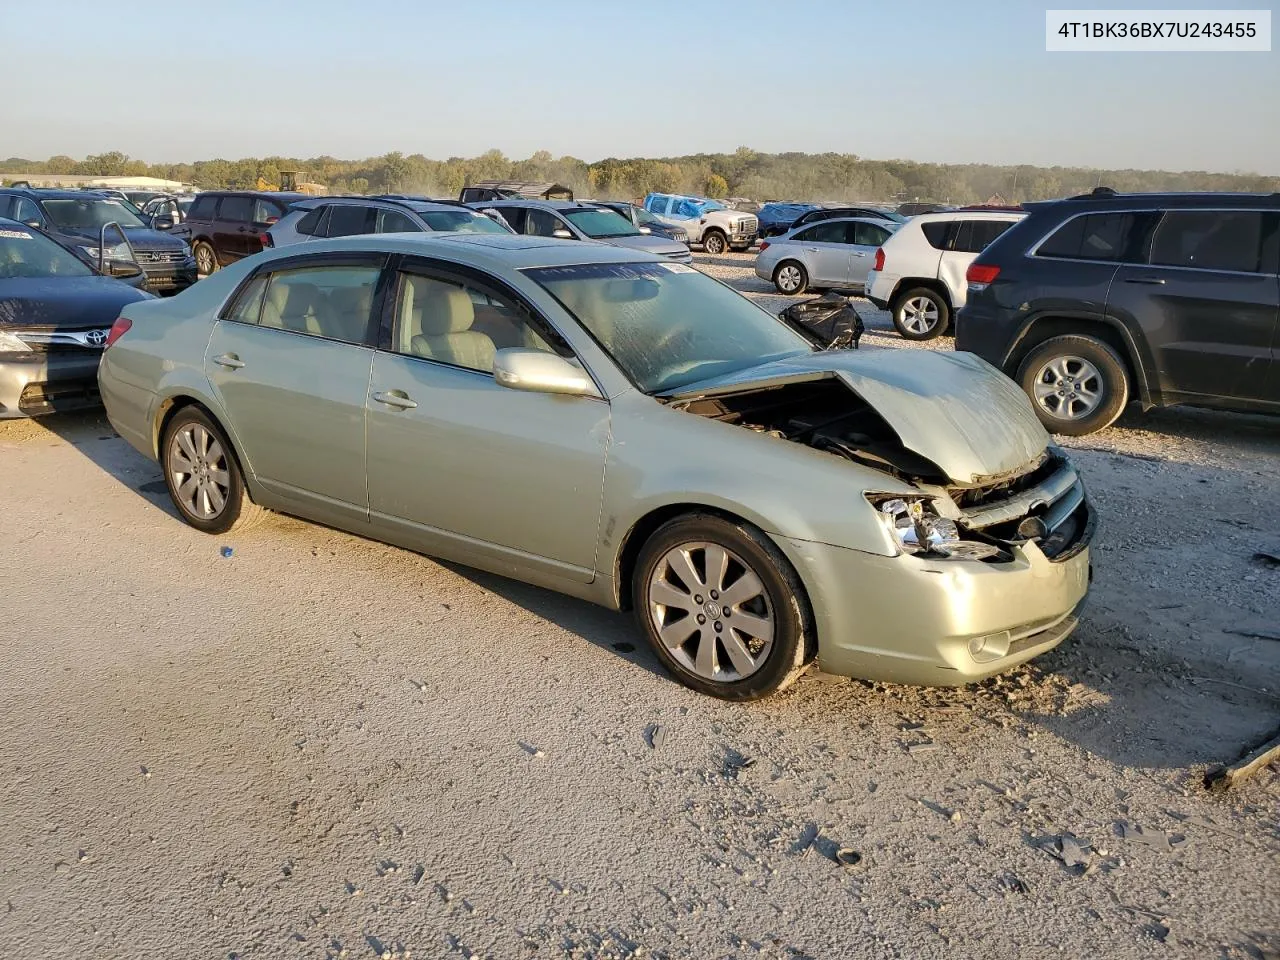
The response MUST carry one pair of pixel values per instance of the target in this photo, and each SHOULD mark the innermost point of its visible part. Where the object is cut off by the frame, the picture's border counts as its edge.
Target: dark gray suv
(1098, 300)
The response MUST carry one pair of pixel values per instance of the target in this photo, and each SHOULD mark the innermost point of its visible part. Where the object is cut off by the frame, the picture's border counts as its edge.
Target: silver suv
(572, 220)
(347, 216)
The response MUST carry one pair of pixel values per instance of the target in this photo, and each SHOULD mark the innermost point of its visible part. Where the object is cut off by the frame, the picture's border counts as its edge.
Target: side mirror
(645, 230)
(33, 224)
(162, 223)
(561, 233)
(539, 372)
(123, 269)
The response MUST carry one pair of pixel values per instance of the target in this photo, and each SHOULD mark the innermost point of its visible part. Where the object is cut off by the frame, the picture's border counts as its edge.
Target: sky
(928, 80)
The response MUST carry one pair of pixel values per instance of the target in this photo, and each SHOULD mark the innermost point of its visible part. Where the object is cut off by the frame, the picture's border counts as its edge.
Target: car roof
(947, 216)
(543, 204)
(41, 193)
(488, 251)
(874, 221)
(273, 194)
(1105, 199)
(423, 205)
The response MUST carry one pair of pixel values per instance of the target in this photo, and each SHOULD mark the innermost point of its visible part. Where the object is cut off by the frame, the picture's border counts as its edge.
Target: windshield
(91, 213)
(462, 221)
(601, 224)
(667, 325)
(26, 254)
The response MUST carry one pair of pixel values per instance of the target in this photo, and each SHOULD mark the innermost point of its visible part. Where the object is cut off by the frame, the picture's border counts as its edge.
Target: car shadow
(607, 629)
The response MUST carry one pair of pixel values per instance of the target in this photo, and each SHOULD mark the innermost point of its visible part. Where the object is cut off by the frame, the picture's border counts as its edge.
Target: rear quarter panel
(161, 358)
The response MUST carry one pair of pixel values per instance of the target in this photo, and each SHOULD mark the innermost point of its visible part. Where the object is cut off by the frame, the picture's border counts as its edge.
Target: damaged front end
(988, 480)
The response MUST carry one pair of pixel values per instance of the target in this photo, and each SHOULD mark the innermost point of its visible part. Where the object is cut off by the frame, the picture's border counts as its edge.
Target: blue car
(776, 218)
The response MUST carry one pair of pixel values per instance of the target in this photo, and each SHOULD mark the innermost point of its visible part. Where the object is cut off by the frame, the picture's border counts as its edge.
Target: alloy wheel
(204, 259)
(711, 612)
(789, 278)
(1069, 388)
(198, 472)
(919, 315)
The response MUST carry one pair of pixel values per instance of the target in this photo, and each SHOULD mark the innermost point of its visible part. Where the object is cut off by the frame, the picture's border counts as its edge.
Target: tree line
(743, 173)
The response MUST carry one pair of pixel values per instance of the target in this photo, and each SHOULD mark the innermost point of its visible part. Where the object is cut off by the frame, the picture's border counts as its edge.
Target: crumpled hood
(954, 409)
(66, 302)
(650, 243)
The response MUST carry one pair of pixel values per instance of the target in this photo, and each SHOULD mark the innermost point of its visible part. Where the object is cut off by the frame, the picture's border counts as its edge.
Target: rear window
(266, 211)
(1209, 240)
(936, 233)
(974, 236)
(236, 209)
(1093, 236)
(202, 208)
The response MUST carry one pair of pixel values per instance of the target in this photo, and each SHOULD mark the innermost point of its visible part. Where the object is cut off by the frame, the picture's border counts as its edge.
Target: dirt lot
(320, 746)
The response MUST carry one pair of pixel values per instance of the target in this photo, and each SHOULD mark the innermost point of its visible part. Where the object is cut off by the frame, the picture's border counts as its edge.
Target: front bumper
(49, 383)
(906, 620)
(169, 277)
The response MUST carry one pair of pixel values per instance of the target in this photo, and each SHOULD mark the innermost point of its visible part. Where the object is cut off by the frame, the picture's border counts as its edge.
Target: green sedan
(626, 430)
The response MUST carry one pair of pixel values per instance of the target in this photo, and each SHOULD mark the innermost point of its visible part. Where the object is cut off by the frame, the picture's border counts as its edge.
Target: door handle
(395, 398)
(229, 360)
(813, 249)
(1151, 280)
(857, 254)
(242, 229)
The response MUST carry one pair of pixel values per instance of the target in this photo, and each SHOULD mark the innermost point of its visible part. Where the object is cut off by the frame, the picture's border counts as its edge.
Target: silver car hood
(954, 409)
(663, 246)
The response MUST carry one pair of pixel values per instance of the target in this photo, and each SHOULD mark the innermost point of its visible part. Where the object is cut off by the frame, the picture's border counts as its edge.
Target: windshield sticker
(15, 235)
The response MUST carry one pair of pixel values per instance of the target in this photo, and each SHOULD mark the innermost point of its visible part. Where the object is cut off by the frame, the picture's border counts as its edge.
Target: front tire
(714, 242)
(1077, 384)
(722, 608)
(921, 314)
(206, 258)
(202, 474)
(791, 278)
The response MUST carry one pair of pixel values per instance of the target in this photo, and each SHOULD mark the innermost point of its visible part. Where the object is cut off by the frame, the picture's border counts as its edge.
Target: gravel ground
(321, 746)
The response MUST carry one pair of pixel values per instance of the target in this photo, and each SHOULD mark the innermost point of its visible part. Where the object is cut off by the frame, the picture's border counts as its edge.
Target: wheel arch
(1037, 330)
(170, 406)
(628, 555)
(907, 284)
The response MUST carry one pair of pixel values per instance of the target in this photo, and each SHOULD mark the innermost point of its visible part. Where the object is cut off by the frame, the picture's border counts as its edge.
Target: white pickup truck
(707, 222)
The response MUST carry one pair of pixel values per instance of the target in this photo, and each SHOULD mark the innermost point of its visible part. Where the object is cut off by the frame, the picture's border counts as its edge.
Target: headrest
(445, 309)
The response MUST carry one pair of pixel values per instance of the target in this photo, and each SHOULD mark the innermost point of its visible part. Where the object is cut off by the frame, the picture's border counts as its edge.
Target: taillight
(271, 221)
(266, 240)
(879, 264)
(764, 245)
(118, 330)
(979, 275)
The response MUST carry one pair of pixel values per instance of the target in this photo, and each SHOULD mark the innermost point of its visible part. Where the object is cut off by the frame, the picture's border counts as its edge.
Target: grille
(748, 225)
(161, 256)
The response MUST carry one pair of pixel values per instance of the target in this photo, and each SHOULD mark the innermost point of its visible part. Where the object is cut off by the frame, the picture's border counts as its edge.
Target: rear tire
(206, 258)
(203, 475)
(714, 242)
(921, 314)
(790, 278)
(1077, 384)
(722, 608)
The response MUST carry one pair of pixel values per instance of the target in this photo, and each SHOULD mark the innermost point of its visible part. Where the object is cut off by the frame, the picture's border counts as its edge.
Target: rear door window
(334, 302)
(1209, 240)
(393, 221)
(830, 232)
(349, 219)
(249, 304)
(1109, 237)
(236, 209)
(974, 236)
(867, 234)
(541, 223)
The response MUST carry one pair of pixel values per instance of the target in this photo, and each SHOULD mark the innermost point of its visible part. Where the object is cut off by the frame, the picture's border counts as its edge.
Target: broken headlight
(918, 530)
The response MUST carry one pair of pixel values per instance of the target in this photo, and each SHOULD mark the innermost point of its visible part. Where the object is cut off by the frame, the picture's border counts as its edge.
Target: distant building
(76, 182)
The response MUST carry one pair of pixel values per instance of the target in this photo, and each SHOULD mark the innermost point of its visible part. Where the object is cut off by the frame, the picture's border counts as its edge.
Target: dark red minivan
(224, 225)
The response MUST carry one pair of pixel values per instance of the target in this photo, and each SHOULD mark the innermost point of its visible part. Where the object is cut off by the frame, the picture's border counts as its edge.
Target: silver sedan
(834, 254)
(624, 429)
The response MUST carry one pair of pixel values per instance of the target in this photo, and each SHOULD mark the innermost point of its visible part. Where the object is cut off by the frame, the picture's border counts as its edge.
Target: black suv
(225, 225)
(77, 218)
(1097, 300)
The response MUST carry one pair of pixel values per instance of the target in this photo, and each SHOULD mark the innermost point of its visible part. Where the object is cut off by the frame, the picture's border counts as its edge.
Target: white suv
(707, 222)
(918, 273)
